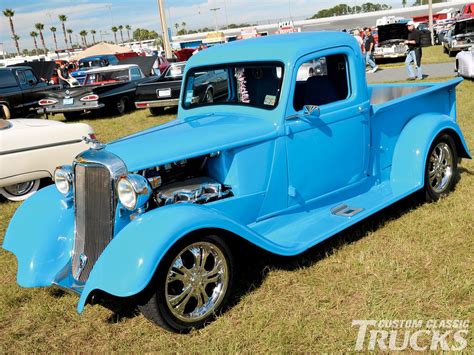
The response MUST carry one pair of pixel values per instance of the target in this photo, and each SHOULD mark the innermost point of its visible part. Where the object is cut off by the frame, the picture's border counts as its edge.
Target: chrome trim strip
(158, 103)
(20, 150)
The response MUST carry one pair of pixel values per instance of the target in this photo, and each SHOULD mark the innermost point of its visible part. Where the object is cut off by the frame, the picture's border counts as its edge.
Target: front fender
(129, 262)
(412, 148)
(41, 236)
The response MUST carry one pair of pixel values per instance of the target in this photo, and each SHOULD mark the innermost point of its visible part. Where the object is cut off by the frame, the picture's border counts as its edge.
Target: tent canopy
(101, 49)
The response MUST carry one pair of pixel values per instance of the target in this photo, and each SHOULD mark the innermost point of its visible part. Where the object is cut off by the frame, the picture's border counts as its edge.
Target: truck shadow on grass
(254, 263)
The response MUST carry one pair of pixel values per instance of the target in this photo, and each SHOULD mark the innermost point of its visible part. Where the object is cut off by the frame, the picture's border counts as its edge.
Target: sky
(101, 15)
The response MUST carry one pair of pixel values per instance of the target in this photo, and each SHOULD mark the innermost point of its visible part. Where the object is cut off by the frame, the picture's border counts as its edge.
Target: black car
(165, 91)
(20, 90)
(109, 89)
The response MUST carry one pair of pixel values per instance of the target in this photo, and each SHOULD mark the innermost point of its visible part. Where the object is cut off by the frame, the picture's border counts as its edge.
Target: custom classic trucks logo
(411, 335)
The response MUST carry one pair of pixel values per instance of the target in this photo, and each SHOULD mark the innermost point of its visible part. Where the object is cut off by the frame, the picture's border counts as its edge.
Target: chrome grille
(94, 216)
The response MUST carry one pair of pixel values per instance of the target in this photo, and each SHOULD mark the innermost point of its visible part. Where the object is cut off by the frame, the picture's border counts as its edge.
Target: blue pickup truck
(286, 159)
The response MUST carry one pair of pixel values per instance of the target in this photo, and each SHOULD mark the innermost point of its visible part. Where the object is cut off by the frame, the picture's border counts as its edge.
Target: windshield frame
(194, 70)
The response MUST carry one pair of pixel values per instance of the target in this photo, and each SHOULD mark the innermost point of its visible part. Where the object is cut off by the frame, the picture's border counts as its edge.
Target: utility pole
(430, 14)
(164, 27)
(215, 15)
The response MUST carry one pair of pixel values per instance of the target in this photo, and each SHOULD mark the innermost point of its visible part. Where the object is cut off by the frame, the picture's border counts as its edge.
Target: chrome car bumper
(157, 103)
(55, 109)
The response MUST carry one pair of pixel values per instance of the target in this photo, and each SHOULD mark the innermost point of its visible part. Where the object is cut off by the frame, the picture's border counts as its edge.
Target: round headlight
(63, 179)
(133, 191)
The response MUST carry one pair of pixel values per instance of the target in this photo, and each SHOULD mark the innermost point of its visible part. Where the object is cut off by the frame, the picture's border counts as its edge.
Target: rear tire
(156, 111)
(441, 173)
(121, 106)
(192, 284)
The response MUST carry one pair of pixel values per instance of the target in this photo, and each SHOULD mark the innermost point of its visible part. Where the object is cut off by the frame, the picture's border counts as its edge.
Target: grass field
(431, 55)
(410, 261)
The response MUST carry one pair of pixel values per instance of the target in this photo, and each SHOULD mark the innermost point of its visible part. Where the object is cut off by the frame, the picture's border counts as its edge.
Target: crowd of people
(367, 45)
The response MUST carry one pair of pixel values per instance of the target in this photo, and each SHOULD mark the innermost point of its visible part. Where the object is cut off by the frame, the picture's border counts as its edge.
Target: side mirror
(312, 111)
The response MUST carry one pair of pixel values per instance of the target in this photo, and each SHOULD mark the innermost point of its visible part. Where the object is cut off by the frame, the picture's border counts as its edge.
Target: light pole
(164, 27)
(430, 14)
(215, 9)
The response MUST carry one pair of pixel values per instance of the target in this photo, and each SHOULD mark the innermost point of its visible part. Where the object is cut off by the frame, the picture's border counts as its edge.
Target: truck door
(329, 149)
(31, 87)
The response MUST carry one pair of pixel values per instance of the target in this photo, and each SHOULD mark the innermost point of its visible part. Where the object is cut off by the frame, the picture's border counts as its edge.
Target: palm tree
(128, 28)
(176, 25)
(63, 18)
(114, 30)
(34, 35)
(93, 32)
(69, 32)
(83, 34)
(53, 30)
(9, 13)
(121, 34)
(183, 24)
(40, 28)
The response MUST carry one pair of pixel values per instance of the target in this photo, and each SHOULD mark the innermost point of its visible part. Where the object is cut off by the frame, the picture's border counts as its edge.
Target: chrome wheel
(440, 169)
(20, 189)
(209, 96)
(196, 282)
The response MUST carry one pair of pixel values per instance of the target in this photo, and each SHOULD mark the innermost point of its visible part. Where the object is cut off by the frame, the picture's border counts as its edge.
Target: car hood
(195, 136)
(397, 31)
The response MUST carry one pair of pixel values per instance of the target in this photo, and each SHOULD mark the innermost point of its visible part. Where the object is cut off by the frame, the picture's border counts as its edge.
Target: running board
(345, 211)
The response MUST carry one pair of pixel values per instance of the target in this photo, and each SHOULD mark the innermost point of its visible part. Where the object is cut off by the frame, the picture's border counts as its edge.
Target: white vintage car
(465, 63)
(31, 149)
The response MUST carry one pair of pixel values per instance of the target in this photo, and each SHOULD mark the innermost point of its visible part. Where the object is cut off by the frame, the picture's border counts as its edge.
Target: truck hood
(194, 136)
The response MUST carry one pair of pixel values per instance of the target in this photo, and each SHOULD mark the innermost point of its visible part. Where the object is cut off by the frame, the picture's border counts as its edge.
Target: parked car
(110, 89)
(164, 92)
(20, 90)
(156, 218)
(459, 37)
(88, 63)
(390, 43)
(30, 150)
(465, 63)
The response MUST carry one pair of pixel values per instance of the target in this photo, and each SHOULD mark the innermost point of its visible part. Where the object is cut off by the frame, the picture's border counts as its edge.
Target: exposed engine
(185, 181)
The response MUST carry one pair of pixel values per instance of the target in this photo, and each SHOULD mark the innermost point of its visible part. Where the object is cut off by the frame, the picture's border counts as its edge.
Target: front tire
(192, 284)
(441, 168)
(21, 191)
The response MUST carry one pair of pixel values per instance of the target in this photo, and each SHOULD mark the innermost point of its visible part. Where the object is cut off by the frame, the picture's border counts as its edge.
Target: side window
(22, 78)
(30, 77)
(7, 79)
(321, 80)
(135, 74)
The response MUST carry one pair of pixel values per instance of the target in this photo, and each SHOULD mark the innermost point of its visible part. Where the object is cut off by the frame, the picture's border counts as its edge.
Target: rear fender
(129, 262)
(412, 148)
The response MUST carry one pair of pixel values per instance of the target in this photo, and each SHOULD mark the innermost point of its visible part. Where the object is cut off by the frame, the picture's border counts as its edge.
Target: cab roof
(285, 48)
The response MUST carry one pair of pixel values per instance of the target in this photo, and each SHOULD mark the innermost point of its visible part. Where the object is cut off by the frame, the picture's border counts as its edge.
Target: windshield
(91, 63)
(107, 77)
(256, 85)
(175, 70)
(464, 27)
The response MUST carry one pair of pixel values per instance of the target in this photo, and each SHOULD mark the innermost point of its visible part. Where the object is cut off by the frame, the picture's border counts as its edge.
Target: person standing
(414, 52)
(63, 75)
(359, 40)
(369, 44)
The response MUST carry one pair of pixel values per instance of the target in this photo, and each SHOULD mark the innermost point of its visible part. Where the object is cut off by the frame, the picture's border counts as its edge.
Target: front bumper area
(157, 103)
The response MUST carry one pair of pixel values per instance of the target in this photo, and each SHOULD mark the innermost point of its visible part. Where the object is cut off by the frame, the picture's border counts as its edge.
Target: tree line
(344, 9)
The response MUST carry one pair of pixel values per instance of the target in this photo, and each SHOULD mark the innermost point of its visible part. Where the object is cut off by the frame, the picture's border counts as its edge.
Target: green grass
(407, 262)
(431, 55)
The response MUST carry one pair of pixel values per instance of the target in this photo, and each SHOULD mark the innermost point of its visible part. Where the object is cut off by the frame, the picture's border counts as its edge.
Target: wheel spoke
(179, 265)
(183, 297)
